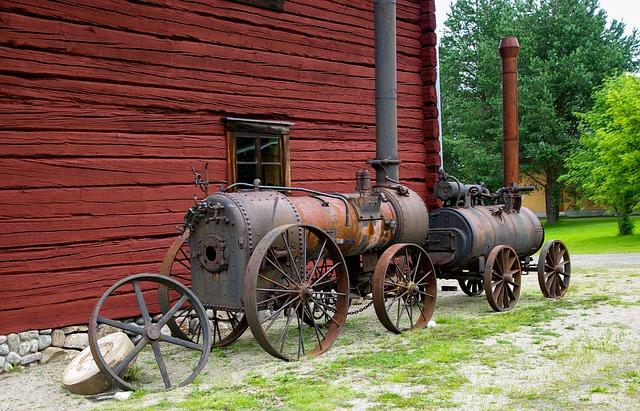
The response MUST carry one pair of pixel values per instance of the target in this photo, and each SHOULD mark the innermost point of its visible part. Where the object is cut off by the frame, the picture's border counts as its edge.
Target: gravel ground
(553, 366)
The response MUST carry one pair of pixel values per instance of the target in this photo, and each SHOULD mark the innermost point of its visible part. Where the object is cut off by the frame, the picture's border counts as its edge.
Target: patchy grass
(425, 369)
(594, 235)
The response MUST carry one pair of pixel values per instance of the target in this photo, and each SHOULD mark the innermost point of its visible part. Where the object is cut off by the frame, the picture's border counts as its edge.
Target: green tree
(605, 167)
(567, 49)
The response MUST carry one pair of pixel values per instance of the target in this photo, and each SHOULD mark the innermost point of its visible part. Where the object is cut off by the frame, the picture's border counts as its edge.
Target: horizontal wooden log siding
(105, 106)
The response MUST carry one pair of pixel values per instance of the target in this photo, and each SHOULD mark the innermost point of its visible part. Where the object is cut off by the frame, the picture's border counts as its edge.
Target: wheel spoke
(281, 340)
(132, 328)
(279, 310)
(160, 361)
(329, 271)
(183, 343)
(415, 271)
(132, 354)
(273, 281)
(278, 267)
(141, 303)
(290, 252)
(320, 257)
(172, 311)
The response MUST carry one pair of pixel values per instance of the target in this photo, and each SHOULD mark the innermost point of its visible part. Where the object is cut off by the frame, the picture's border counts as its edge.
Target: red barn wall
(105, 106)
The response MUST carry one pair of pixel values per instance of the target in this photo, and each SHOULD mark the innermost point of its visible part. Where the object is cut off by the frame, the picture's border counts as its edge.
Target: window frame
(256, 129)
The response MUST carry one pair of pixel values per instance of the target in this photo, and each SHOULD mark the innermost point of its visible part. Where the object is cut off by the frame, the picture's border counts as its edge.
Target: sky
(627, 11)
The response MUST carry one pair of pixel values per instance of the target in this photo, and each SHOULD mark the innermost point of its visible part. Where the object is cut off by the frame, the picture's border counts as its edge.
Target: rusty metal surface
(404, 288)
(226, 326)
(280, 284)
(150, 331)
(466, 234)
(554, 269)
(509, 49)
(502, 278)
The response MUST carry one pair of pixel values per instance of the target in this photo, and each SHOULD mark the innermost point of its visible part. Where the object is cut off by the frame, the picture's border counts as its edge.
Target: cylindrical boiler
(460, 238)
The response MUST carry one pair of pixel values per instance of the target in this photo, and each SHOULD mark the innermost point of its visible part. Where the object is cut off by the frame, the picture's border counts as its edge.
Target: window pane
(270, 150)
(247, 173)
(272, 175)
(245, 149)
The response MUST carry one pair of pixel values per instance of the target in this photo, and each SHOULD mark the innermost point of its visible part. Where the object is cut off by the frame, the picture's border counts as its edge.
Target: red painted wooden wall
(105, 106)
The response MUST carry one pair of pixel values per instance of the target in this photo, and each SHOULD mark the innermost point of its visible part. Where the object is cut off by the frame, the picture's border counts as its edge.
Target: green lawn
(594, 235)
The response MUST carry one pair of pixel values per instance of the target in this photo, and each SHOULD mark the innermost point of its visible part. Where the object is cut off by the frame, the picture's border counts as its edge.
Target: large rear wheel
(404, 288)
(295, 272)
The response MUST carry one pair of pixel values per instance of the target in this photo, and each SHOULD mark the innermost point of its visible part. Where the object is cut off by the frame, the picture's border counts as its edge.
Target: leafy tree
(606, 166)
(567, 49)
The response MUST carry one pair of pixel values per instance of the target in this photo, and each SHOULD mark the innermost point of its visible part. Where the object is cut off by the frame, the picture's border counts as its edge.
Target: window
(258, 149)
(277, 5)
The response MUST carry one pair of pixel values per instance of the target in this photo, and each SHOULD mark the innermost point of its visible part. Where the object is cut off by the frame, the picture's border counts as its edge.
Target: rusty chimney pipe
(509, 49)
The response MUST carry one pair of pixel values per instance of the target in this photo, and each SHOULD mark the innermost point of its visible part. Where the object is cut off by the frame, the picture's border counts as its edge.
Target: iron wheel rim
(187, 295)
(278, 288)
(406, 284)
(502, 278)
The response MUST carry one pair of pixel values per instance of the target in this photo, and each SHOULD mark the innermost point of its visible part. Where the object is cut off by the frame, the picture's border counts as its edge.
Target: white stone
(75, 328)
(13, 358)
(27, 359)
(122, 395)
(33, 334)
(33, 345)
(210, 314)
(78, 341)
(24, 348)
(2, 361)
(57, 338)
(46, 331)
(139, 321)
(8, 367)
(13, 341)
(165, 330)
(4, 349)
(103, 330)
(24, 336)
(431, 324)
(44, 341)
(3, 339)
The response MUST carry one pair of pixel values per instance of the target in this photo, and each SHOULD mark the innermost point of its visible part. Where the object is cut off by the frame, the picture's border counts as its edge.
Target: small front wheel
(502, 278)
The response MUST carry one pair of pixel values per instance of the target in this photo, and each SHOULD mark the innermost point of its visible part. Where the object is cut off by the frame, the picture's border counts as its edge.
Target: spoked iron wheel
(138, 293)
(282, 289)
(471, 286)
(554, 269)
(318, 313)
(502, 278)
(226, 326)
(404, 288)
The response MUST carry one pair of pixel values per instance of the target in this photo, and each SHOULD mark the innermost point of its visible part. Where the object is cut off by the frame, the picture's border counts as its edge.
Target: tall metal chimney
(386, 162)
(509, 49)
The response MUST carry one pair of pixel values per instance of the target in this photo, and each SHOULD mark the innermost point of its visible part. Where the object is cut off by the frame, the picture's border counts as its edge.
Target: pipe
(386, 162)
(509, 49)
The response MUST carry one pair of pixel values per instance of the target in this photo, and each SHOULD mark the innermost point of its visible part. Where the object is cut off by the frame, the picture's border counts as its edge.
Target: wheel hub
(153, 332)
(508, 277)
(306, 293)
(413, 288)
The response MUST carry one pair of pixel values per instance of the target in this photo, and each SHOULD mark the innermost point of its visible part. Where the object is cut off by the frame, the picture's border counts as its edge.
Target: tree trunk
(625, 225)
(551, 196)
